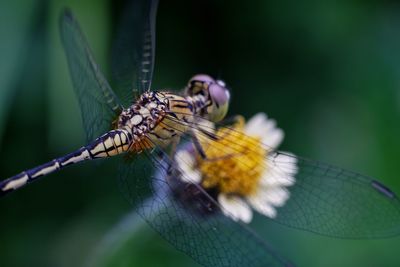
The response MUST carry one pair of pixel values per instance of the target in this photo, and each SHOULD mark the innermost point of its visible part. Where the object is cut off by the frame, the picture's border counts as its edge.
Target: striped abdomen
(110, 144)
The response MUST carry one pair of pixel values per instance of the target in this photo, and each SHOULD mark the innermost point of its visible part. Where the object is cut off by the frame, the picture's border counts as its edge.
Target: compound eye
(220, 97)
(219, 94)
(221, 83)
(203, 78)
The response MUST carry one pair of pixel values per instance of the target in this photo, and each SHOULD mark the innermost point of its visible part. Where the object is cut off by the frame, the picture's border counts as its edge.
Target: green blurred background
(328, 72)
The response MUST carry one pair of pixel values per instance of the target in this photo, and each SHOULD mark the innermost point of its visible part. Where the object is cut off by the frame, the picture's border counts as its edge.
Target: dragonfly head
(214, 92)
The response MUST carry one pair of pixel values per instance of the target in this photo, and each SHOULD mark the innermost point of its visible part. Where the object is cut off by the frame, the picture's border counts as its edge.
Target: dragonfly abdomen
(110, 144)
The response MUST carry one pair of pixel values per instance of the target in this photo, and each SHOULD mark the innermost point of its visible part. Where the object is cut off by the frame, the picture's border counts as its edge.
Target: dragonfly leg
(174, 145)
(197, 146)
(199, 149)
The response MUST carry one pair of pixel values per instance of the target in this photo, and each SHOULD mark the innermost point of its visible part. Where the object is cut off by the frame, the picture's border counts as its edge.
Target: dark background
(328, 72)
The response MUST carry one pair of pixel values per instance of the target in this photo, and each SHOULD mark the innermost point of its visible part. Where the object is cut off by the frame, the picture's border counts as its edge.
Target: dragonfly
(159, 131)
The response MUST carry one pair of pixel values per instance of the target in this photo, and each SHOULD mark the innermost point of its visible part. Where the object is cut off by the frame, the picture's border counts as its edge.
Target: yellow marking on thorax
(170, 126)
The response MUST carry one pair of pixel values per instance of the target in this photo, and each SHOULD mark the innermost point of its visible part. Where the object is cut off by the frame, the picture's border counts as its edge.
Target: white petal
(273, 179)
(273, 138)
(281, 170)
(286, 162)
(254, 122)
(235, 208)
(258, 125)
(193, 177)
(183, 156)
(261, 206)
(277, 175)
(185, 162)
(276, 196)
(286, 157)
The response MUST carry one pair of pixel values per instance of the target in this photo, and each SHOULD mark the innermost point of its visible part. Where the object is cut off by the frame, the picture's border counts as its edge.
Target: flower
(243, 166)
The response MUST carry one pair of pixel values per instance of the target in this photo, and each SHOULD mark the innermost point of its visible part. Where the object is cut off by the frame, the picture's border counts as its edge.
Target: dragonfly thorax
(156, 118)
(144, 114)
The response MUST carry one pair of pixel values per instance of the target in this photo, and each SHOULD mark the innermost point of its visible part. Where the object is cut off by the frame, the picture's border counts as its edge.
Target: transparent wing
(189, 218)
(332, 201)
(99, 105)
(326, 199)
(134, 48)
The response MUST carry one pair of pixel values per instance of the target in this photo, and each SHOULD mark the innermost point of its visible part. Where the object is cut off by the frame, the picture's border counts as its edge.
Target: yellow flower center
(234, 162)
